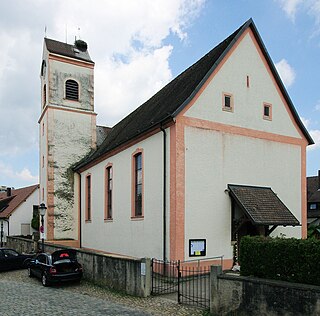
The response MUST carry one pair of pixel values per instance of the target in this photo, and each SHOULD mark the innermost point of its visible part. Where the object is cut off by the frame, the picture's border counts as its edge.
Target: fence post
(214, 284)
(179, 276)
(146, 276)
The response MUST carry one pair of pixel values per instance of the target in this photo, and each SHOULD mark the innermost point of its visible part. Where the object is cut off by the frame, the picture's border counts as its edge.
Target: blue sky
(138, 46)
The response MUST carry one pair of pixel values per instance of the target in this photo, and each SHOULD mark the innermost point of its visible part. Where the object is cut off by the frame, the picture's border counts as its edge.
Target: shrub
(293, 260)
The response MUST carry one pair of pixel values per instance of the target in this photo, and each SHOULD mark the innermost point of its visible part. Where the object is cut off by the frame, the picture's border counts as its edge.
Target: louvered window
(72, 90)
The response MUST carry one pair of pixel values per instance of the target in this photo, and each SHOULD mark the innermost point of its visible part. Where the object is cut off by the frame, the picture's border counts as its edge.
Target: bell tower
(67, 132)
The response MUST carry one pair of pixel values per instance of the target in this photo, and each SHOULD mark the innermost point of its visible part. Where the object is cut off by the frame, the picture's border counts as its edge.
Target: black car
(61, 265)
(11, 259)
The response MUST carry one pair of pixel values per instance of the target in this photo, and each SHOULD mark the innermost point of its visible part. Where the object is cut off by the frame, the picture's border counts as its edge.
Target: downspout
(164, 194)
(80, 218)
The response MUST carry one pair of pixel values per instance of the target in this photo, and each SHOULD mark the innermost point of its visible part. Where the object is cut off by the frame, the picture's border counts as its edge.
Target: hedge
(293, 260)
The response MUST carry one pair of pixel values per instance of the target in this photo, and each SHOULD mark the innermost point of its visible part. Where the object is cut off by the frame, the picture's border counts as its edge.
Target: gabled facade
(16, 210)
(162, 184)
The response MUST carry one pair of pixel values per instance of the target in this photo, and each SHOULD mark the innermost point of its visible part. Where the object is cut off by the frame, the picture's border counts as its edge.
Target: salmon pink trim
(71, 61)
(133, 184)
(106, 190)
(303, 191)
(242, 131)
(88, 195)
(177, 191)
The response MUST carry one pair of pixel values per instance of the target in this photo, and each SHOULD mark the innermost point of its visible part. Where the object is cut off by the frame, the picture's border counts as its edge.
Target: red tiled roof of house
(9, 203)
(313, 189)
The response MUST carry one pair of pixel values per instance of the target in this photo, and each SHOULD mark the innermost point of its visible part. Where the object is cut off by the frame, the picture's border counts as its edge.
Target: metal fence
(190, 280)
(164, 277)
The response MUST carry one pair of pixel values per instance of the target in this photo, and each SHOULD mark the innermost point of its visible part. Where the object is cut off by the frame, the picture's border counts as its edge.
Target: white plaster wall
(138, 238)
(214, 160)
(71, 141)
(67, 138)
(23, 214)
(248, 102)
(59, 73)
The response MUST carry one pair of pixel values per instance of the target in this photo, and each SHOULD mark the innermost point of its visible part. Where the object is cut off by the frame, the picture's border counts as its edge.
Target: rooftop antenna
(79, 33)
(66, 33)
(45, 31)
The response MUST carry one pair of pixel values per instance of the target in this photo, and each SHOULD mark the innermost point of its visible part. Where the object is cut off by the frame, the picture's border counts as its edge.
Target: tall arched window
(44, 95)
(72, 90)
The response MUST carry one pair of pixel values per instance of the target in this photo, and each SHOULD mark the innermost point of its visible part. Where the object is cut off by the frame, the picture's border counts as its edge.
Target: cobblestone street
(21, 295)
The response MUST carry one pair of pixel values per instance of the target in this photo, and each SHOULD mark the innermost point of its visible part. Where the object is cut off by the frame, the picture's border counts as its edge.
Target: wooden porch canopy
(261, 206)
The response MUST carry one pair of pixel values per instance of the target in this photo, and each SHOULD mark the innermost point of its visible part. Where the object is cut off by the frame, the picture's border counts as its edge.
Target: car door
(11, 259)
(39, 264)
(2, 261)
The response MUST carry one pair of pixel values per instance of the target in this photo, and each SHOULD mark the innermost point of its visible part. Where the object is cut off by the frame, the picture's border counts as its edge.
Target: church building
(218, 153)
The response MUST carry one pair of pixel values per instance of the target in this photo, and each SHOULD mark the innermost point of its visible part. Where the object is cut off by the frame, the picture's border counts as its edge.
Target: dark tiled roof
(18, 196)
(313, 189)
(65, 49)
(102, 132)
(262, 205)
(170, 100)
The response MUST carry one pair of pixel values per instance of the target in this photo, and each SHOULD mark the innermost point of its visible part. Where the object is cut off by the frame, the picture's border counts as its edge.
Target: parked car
(11, 259)
(61, 265)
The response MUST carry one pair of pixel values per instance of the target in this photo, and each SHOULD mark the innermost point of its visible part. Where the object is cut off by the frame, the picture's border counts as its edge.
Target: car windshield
(10, 253)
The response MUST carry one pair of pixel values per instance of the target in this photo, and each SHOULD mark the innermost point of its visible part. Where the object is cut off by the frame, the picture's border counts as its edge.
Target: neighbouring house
(204, 161)
(313, 200)
(16, 210)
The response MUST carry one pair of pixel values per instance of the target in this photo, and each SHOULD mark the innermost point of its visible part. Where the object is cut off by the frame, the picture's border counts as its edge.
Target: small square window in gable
(267, 111)
(227, 102)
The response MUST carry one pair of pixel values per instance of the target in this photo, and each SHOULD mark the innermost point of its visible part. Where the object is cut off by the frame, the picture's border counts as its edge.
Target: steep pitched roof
(172, 99)
(68, 50)
(313, 189)
(262, 205)
(8, 204)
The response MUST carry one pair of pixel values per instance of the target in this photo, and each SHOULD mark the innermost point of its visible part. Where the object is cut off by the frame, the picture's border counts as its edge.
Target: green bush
(293, 260)
(35, 222)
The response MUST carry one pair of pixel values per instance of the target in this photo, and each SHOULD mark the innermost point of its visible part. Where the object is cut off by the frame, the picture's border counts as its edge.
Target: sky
(138, 46)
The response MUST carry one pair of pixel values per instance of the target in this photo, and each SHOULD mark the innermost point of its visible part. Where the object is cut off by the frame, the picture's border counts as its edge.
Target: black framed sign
(197, 247)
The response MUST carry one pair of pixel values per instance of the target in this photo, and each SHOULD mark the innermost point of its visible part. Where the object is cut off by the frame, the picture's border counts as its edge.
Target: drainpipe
(164, 194)
(80, 219)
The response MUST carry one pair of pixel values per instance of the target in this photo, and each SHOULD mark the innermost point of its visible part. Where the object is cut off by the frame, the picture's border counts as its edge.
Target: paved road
(21, 298)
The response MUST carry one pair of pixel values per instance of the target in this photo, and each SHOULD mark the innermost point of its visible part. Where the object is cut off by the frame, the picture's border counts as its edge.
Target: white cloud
(10, 175)
(125, 40)
(290, 7)
(311, 7)
(306, 122)
(25, 175)
(315, 134)
(317, 107)
(286, 72)
(131, 83)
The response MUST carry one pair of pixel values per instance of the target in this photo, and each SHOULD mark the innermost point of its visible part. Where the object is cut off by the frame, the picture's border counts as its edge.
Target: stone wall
(237, 295)
(129, 275)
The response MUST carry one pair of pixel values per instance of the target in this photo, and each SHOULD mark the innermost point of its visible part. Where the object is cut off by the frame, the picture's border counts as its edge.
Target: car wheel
(26, 263)
(30, 274)
(44, 280)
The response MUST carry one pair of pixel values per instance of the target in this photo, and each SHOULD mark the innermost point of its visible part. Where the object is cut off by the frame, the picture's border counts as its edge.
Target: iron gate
(190, 280)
